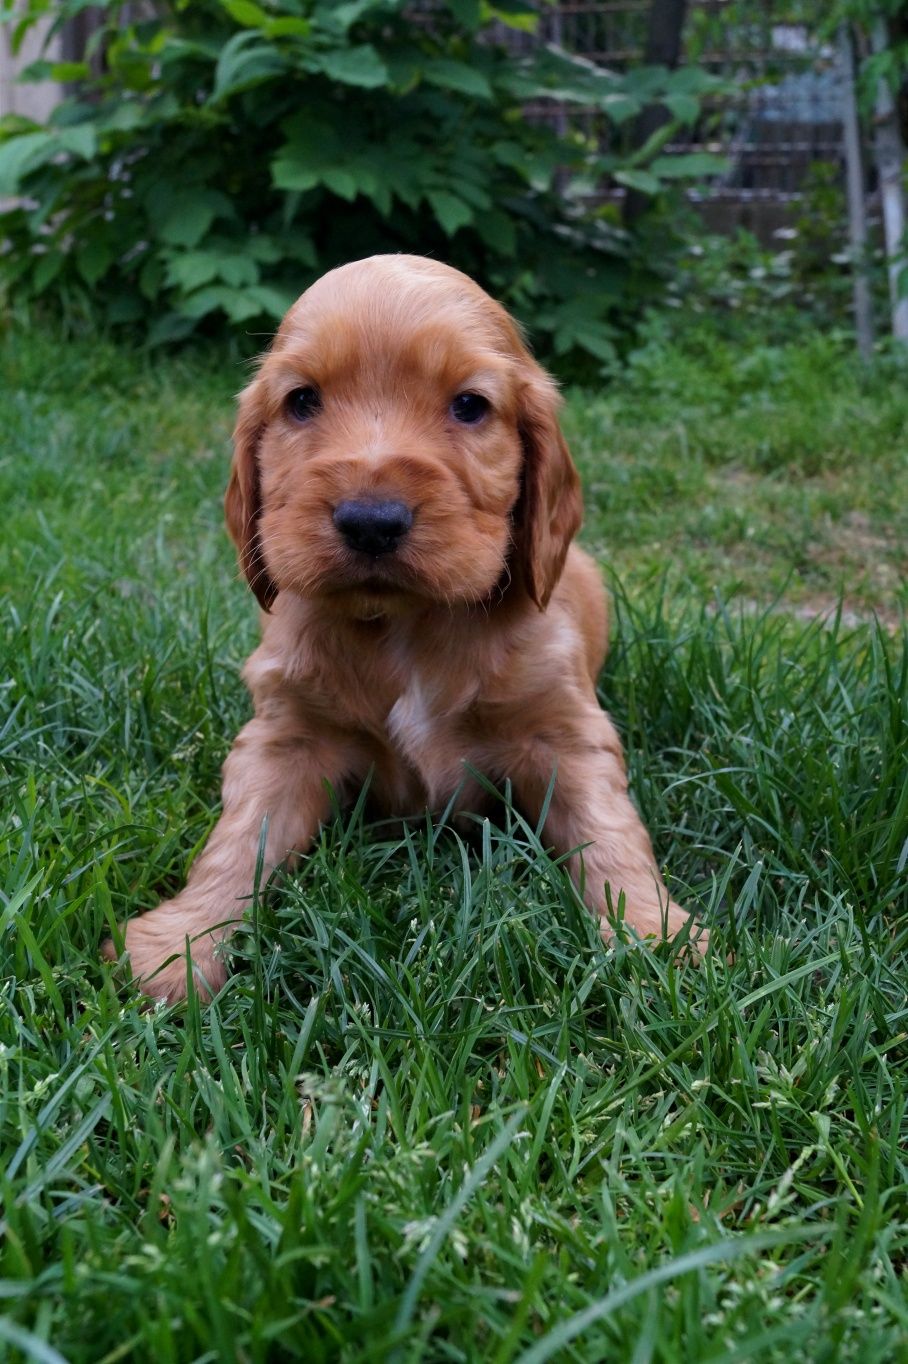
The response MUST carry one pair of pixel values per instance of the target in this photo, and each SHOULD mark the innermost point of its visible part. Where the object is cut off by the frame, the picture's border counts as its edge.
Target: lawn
(432, 1117)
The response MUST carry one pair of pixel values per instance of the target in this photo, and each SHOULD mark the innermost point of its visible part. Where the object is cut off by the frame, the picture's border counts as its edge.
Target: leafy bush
(790, 289)
(229, 151)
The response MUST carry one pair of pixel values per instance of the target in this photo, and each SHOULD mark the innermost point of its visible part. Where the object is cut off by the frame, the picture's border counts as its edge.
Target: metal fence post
(857, 217)
(890, 158)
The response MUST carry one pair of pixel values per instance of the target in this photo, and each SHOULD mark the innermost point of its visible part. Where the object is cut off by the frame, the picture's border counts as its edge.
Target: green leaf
(466, 12)
(475, 195)
(688, 166)
(26, 152)
(380, 194)
(263, 248)
(620, 107)
(339, 18)
(93, 258)
(246, 13)
(244, 61)
(236, 303)
(595, 340)
(452, 213)
(645, 83)
(404, 71)
(22, 154)
(314, 155)
(289, 173)
(360, 66)
(515, 13)
(683, 107)
(458, 76)
(35, 71)
(239, 304)
(340, 182)
(151, 277)
(47, 270)
(299, 250)
(68, 71)
(311, 148)
(272, 300)
(222, 259)
(169, 328)
(693, 80)
(189, 215)
(81, 139)
(639, 180)
(124, 116)
(514, 155)
(124, 306)
(288, 28)
(497, 231)
(192, 269)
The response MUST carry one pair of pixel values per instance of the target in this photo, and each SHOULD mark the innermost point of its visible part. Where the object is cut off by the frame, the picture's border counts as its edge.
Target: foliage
(709, 28)
(227, 152)
(890, 63)
(433, 1119)
(782, 291)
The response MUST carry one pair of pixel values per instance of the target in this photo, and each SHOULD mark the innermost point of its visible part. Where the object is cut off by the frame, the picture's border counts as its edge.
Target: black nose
(373, 527)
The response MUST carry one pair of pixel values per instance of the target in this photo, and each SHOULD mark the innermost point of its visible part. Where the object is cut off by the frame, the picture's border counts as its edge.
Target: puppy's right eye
(469, 408)
(303, 403)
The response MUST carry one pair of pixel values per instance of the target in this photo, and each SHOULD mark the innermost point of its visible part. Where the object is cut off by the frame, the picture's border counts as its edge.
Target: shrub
(217, 156)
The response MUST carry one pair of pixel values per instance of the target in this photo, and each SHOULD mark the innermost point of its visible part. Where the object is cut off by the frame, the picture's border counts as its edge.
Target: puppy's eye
(469, 408)
(303, 403)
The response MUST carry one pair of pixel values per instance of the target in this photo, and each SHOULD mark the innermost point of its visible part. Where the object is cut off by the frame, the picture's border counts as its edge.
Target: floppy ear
(243, 502)
(550, 508)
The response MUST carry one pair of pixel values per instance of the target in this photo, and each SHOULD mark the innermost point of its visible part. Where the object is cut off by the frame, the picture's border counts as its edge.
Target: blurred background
(204, 160)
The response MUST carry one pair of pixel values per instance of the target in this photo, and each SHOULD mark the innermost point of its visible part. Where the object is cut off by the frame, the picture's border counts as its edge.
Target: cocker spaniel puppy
(403, 504)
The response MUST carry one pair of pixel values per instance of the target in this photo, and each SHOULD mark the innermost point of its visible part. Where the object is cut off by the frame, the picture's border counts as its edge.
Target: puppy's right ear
(243, 500)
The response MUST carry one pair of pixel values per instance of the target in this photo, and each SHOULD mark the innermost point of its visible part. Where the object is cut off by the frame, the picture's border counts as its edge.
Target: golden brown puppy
(403, 504)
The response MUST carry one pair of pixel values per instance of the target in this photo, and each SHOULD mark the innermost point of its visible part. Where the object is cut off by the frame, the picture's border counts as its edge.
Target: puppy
(403, 504)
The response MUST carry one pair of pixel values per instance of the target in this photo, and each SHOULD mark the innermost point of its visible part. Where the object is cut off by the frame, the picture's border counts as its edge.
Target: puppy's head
(400, 445)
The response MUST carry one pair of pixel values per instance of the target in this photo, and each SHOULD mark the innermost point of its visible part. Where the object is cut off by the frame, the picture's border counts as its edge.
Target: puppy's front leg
(276, 770)
(591, 809)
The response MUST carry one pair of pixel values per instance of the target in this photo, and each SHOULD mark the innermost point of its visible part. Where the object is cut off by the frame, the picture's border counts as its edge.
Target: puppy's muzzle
(371, 526)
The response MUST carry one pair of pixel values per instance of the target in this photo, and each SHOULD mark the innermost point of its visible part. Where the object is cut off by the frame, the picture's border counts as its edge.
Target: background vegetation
(228, 153)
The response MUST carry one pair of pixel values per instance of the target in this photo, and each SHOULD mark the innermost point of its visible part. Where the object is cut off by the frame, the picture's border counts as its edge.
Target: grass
(780, 469)
(432, 1118)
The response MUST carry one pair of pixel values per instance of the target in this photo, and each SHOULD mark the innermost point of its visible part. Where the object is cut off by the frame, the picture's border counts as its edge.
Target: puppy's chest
(428, 727)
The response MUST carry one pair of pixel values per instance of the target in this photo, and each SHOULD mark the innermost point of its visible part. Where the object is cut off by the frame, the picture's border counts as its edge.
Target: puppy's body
(425, 611)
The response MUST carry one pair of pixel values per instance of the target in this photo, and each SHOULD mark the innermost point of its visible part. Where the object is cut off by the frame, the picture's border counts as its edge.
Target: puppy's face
(397, 446)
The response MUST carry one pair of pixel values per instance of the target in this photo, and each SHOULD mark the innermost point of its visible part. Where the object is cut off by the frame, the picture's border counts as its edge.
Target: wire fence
(778, 129)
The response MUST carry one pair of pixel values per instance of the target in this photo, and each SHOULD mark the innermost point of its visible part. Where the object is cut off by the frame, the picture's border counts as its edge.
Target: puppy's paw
(698, 940)
(156, 948)
(659, 923)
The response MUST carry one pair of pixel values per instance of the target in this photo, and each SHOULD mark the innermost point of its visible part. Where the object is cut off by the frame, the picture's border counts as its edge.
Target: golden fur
(476, 642)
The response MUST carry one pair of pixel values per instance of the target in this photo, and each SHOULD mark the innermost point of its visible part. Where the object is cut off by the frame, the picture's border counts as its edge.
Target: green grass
(776, 469)
(432, 1118)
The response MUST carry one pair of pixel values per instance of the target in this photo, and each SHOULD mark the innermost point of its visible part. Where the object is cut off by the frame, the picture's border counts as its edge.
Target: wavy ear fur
(550, 508)
(243, 502)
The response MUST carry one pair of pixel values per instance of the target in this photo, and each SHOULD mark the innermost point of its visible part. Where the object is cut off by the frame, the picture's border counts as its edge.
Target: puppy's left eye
(303, 403)
(470, 408)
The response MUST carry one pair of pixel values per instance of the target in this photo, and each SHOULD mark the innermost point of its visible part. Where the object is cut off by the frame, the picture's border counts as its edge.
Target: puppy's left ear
(550, 508)
(243, 499)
